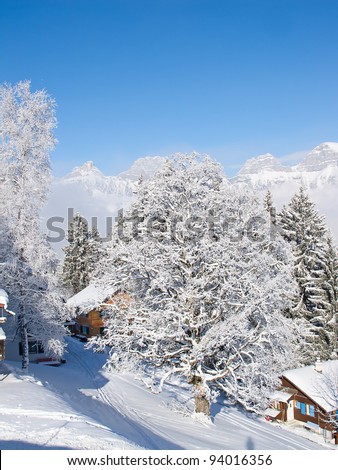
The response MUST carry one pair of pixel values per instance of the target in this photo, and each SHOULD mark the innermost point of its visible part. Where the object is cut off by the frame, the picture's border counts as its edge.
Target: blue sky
(233, 78)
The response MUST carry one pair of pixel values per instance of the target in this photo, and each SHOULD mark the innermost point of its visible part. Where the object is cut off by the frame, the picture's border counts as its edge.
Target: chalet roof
(88, 298)
(272, 412)
(283, 395)
(3, 297)
(320, 387)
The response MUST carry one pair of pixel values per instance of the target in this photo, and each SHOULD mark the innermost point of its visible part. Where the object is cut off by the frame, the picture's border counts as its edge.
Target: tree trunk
(24, 341)
(202, 402)
(22, 319)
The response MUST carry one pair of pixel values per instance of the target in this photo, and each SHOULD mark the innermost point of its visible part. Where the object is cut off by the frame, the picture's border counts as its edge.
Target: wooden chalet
(309, 395)
(88, 310)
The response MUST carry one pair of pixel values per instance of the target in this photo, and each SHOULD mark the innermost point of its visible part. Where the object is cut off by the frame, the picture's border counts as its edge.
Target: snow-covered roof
(272, 412)
(2, 334)
(88, 298)
(318, 386)
(3, 297)
(282, 395)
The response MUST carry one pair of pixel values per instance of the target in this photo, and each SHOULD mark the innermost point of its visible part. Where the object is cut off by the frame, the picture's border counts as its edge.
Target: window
(85, 330)
(311, 410)
(34, 347)
(298, 404)
(303, 408)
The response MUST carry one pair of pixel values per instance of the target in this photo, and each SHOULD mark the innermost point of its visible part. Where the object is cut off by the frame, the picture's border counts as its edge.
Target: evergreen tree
(330, 285)
(81, 255)
(304, 228)
(269, 206)
(96, 250)
(76, 262)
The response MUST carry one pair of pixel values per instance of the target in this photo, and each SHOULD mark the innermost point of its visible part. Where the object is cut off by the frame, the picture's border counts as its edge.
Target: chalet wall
(320, 417)
(92, 321)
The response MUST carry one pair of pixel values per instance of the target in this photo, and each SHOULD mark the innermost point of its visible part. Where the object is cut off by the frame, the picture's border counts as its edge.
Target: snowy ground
(79, 406)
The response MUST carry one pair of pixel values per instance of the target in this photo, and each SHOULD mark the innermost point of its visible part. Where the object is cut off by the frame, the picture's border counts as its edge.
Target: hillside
(80, 406)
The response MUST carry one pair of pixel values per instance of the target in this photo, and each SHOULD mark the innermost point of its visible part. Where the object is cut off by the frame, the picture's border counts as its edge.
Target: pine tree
(96, 250)
(269, 206)
(305, 229)
(84, 251)
(330, 286)
(76, 260)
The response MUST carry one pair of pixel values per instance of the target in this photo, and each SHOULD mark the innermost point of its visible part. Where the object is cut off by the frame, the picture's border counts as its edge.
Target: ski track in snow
(81, 406)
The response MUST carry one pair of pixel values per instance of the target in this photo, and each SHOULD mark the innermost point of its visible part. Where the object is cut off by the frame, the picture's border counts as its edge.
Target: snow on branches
(207, 285)
(27, 263)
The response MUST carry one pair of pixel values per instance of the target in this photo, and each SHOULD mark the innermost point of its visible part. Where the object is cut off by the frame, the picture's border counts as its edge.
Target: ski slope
(81, 406)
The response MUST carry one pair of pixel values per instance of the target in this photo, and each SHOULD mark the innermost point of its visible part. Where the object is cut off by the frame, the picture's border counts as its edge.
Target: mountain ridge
(322, 156)
(94, 195)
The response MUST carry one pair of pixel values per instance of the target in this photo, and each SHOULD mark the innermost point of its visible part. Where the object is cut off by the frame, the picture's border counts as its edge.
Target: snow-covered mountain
(318, 168)
(143, 168)
(317, 173)
(95, 182)
(94, 195)
(260, 164)
(321, 157)
(88, 191)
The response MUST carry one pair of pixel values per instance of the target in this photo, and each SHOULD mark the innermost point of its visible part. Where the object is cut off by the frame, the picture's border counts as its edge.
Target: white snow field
(80, 406)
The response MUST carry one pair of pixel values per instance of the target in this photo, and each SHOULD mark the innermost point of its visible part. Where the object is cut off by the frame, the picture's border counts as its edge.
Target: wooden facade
(292, 403)
(91, 323)
(306, 410)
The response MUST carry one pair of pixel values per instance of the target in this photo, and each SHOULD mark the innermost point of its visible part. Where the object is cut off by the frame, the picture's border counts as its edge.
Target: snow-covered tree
(96, 249)
(207, 286)
(28, 265)
(81, 255)
(326, 387)
(269, 206)
(330, 286)
(305, 229)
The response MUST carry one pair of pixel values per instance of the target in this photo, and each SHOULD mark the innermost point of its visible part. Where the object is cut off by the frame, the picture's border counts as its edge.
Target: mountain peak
(261, 163)
(322, 156)
(87, 169)
(144, 167)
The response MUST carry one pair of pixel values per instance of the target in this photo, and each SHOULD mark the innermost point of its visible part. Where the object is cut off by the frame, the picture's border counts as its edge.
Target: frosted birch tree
(27, 120)
(207, 286)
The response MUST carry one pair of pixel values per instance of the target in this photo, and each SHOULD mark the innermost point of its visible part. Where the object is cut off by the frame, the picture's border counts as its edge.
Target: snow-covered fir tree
(269, 206)
(81, 255)
(28, 265)
(96, 249)
(206, 285)
(305, 229)
(330, 286)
